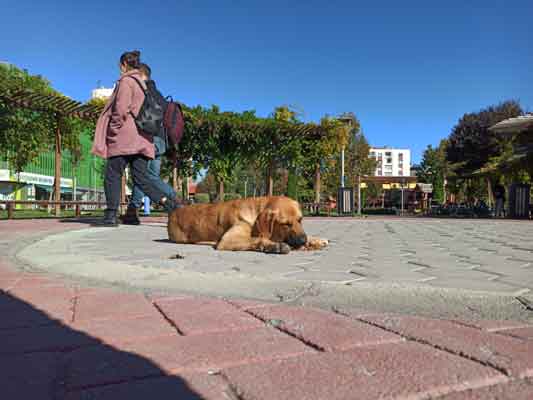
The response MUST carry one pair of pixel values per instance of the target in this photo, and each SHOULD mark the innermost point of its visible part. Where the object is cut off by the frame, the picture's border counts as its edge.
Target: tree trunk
(57, 172)
(185, 188)
(175, 185)
(220, 191)
(444, 194)
(291, 183)
(317, 183)
(489, 192)
(270, 179)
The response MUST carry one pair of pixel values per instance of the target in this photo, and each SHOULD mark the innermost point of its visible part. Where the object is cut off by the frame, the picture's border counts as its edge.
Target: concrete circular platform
(467, 268)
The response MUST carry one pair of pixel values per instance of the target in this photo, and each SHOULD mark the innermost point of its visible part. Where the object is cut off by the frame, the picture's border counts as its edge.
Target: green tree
(471, 145)
(434, 169)
(24, 134)
(358, 162)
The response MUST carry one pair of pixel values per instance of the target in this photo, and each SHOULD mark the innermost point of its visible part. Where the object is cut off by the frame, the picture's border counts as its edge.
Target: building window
(389, 160)
(400, 156)
(388, 173)
(372, 154)
(388, 154)
(400, 173)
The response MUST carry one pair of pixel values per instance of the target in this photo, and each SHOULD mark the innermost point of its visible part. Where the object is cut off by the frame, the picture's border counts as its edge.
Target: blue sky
(408, 70)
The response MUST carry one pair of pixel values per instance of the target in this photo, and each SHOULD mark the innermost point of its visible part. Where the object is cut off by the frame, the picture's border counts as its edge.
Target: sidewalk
(59, 340)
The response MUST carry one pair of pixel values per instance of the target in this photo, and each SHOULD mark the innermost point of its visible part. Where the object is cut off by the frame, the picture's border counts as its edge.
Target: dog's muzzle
(297, 241)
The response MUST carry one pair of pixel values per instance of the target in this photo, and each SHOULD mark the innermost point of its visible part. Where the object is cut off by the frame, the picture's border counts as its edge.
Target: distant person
(118, 140)
(499, 196)
(154, 166)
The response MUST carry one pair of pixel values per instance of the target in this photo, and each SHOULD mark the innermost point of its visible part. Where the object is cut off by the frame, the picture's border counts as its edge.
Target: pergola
(391, 181)
(521, 124)
(60, 107)
(522, 128)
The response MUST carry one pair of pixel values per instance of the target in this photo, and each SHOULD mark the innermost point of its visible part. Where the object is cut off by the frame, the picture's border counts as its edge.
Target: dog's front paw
(277, 248)
(314, 243)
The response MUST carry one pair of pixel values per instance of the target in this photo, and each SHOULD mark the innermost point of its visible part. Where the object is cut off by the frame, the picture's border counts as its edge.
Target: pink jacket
(116, 133)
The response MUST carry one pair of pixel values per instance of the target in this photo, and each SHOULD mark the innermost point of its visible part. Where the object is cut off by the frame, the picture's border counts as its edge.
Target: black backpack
(152, 112)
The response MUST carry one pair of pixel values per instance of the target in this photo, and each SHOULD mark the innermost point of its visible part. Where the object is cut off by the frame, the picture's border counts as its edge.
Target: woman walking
(118, 140)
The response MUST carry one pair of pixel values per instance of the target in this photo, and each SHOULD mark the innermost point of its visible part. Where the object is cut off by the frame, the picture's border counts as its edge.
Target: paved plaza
(437, 267)
(393, 309)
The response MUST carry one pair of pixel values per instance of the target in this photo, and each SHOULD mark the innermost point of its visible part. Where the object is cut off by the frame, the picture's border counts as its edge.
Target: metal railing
(76, 205)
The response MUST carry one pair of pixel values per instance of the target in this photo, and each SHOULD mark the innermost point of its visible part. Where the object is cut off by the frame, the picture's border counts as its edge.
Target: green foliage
(233, 147)
(373, 194)
(357, 160)
(471, 145)
(434, 168)
(24, 133)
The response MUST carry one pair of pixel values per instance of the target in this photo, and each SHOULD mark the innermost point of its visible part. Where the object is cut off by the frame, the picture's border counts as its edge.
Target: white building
(101, 93)
(391, 162)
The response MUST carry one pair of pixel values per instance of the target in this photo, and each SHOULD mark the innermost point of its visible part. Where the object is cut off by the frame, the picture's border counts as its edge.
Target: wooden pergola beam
(61, 107)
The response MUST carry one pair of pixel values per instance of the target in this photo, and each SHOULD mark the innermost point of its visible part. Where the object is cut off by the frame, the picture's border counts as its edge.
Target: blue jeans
(153, 174)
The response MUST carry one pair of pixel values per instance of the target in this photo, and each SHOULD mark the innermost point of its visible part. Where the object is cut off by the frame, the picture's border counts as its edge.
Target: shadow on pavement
(42, 358)
(82, 220)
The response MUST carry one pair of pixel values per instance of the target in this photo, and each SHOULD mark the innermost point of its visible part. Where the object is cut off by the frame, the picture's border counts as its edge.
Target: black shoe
(131, 217)
(109, 220)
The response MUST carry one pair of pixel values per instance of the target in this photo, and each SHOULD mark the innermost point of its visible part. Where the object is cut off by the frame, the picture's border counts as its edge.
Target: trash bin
(345, 201)
(519, 200)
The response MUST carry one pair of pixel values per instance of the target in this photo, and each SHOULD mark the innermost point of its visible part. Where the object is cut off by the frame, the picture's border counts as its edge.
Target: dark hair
(146, 70)
(131, 58)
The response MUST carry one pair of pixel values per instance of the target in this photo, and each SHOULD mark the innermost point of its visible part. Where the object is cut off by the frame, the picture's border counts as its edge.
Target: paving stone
(183, 386)
(388, 371)
(42, 338)
(202, 353)
(124, 330)
(22, 316)
(511, 355)
(522, 333)
(517, 390)
(28, 281)
(30, 376)
(161, 297)
(7, 283)
(324, 330)
(104, 305)
(194, 324)
(496, 325)
(194, 316)
(322, 276)
(247, 304)
(43, 296)
(8, 273)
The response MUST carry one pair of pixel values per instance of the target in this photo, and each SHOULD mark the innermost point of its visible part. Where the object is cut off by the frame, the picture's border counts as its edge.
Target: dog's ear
(264, 224)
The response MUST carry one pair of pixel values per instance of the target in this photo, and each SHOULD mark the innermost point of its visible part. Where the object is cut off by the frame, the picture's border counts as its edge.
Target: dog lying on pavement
(265, 224)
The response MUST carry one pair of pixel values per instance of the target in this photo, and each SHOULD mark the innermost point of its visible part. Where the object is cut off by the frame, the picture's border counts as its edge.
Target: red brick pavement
(58, 341)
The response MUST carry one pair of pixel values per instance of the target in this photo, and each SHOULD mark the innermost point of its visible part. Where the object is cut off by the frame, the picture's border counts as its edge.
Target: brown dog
(267, 224)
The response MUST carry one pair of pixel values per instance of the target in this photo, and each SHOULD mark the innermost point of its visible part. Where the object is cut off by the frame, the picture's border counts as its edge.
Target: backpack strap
(138, 82)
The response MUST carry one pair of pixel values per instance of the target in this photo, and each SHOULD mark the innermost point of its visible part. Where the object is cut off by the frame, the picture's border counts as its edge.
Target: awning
(49, 188)
(514, 125)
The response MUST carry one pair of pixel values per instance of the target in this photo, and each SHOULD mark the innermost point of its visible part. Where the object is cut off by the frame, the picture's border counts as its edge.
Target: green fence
(88, 171)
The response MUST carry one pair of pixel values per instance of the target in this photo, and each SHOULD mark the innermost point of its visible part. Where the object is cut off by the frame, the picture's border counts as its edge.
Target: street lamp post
(359, 195)
(342, 167)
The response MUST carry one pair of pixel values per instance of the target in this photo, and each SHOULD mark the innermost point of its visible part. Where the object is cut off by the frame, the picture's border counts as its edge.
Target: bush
(379, 211)
(231, 196)
(201, 198)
